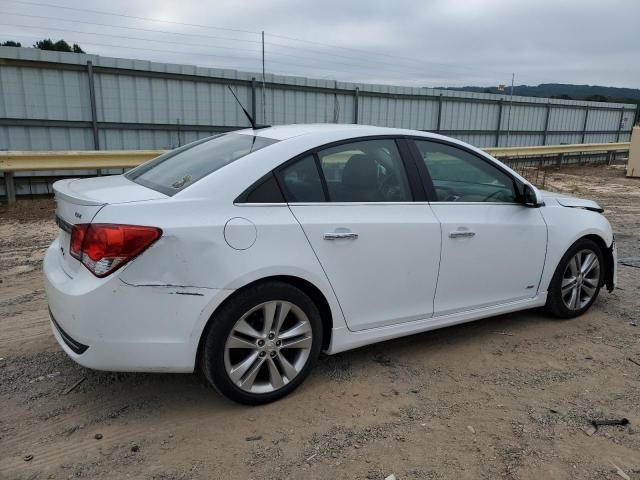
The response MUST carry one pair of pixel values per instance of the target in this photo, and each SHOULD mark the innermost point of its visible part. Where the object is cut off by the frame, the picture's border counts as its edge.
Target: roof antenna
(254, 125)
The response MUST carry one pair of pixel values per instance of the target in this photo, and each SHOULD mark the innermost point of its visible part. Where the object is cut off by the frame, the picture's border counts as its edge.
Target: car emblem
(78, 215)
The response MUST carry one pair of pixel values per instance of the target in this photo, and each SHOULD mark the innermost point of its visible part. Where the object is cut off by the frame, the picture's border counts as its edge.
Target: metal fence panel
(567, 118)
(45, 103)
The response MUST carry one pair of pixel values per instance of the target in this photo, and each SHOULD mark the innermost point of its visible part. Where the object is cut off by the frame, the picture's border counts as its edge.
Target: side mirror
(532, 197)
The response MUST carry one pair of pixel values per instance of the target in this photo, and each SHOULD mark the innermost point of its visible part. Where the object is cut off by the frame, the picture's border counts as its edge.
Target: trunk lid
(79, 201)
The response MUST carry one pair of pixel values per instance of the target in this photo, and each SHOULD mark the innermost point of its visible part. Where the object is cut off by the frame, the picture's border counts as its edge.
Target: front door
(493, 247)
(379, 248)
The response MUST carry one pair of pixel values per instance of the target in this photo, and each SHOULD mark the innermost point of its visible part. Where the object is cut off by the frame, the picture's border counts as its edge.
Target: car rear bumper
(106, 324)
(75, 346)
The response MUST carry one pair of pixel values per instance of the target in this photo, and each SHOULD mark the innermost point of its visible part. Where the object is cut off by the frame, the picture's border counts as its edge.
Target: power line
(82, 22)
(257, 42)
(110, 25)
(124, 37)
(351, 65)
(133, 48)
(417, 68)
(182, 53)
(341, 47)
(359, 51)
(102, 12)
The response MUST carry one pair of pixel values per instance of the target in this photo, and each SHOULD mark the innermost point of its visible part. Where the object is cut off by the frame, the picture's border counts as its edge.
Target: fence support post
(356, 101)
(439, 114)
(253, 97)
(546, 124)
(10, 187)
(497, 141)
(584, 127)
(92, 99)
(620, 125)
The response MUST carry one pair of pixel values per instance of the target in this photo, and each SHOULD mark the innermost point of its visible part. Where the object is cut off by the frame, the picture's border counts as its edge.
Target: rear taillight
(105, 247)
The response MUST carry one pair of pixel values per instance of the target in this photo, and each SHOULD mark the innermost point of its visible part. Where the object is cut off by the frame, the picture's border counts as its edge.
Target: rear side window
(365, 171)
(301, 181)
(177, 169)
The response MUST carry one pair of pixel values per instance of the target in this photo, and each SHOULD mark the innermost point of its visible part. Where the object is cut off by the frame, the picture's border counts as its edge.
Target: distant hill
(594, 93)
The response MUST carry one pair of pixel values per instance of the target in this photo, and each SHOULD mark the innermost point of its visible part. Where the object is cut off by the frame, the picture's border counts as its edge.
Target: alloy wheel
(268, 346)
(580, 280)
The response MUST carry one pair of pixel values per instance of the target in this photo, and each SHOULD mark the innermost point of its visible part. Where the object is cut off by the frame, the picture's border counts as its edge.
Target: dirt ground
(509, 397)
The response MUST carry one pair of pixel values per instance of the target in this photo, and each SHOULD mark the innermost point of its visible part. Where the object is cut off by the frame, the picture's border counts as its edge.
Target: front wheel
(262, 343)
(577, 280)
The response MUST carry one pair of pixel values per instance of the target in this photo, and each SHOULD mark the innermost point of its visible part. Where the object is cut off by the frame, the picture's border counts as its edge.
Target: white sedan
(248, 253)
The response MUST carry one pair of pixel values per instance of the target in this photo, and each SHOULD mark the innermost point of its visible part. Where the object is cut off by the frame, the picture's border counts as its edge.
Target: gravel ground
(509, 397)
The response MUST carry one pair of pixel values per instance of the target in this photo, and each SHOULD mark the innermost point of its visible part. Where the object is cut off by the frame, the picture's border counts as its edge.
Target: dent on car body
(148, 271)
(573, 202)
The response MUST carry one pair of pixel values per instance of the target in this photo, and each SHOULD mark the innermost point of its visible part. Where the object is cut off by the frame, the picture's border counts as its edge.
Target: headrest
(360, 171)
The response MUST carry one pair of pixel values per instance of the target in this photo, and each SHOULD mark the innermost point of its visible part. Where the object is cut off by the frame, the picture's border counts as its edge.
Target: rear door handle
(340, 236)
(462, 234)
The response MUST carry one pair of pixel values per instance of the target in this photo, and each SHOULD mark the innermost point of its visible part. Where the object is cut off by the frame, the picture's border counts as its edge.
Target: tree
(59, 46)
(597, 98)
(10, 43)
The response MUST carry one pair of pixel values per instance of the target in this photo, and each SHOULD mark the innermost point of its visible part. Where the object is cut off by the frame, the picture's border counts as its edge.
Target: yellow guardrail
(74, 160)
(513, 152)
(14, 161)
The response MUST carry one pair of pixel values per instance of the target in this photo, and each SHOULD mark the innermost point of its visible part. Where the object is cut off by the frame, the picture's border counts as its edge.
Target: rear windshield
(171, 172)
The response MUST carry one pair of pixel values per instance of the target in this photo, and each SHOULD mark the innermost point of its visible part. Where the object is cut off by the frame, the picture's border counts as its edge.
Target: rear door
(493, 247)
(379, 248)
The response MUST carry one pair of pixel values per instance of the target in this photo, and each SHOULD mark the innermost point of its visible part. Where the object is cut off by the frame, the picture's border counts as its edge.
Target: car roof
(284, 132)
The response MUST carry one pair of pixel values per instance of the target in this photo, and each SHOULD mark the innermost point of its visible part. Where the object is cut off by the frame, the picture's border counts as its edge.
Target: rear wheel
(262, 343)
(577, 280)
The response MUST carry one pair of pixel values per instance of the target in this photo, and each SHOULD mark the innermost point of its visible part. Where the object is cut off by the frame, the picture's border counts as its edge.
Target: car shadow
(113, 395)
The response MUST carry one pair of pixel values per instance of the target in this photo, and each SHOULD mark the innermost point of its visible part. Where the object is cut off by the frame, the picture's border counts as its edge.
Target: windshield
(175, 170)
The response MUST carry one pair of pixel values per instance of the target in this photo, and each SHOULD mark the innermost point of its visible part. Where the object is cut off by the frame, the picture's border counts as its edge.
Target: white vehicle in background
(246, 254)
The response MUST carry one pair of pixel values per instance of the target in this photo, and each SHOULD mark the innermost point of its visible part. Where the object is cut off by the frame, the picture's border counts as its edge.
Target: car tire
(274, 362)
(567, 299)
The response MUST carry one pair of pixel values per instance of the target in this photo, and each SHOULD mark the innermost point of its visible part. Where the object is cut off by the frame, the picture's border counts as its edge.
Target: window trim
(428, 181)
(406, 159)
(420, 182)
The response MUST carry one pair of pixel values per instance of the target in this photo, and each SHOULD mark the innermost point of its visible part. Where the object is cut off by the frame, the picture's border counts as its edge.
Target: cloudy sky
(417, 42)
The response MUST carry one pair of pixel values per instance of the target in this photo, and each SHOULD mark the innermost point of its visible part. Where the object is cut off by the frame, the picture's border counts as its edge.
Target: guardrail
(11, 161)
(515, 152)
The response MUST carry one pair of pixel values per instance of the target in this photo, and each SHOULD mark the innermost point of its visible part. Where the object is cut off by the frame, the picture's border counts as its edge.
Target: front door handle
(340, 236)
(462, 234)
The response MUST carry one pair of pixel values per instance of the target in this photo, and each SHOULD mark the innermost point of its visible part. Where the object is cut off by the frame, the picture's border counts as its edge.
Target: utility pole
(264, 101)
(513, 76)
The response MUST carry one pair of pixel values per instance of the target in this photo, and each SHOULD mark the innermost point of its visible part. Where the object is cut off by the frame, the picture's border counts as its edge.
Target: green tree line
(48, 44)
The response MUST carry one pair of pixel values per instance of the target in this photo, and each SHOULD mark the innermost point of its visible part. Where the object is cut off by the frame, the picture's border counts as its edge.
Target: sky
(403, 42)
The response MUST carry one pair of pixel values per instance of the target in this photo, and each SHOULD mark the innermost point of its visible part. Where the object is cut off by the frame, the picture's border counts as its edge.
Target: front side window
(179, 168)
(365, 171)
(459, 176)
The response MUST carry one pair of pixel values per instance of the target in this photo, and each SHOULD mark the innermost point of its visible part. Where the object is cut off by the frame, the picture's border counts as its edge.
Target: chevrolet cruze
(246, 254)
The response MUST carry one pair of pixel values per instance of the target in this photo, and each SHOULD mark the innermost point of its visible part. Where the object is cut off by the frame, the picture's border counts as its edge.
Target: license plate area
(69, 264)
